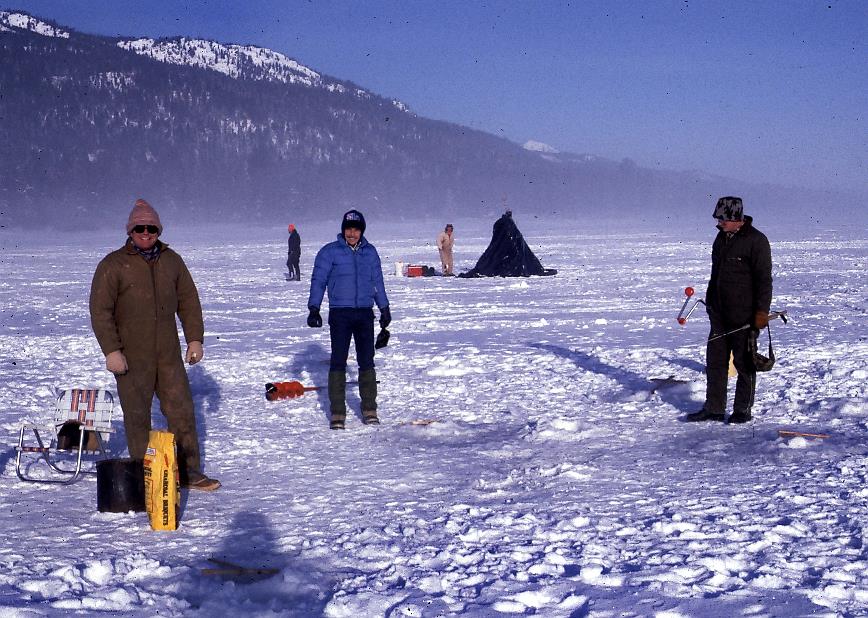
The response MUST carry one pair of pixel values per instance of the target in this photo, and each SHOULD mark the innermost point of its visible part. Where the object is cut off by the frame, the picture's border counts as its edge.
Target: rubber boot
(338, 399)
(368, 394)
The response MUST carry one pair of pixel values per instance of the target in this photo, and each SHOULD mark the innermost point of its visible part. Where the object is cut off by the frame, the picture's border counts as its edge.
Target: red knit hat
(143, 214)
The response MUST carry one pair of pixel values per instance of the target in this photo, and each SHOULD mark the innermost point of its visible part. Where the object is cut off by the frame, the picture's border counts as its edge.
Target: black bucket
(120, 485)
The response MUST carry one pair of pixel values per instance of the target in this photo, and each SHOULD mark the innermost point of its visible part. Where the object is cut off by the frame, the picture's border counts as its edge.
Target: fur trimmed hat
(729, 209)
(143, 214)
(353, 218)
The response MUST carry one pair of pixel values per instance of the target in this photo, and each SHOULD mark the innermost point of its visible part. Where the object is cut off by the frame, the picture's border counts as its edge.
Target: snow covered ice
(556, 478)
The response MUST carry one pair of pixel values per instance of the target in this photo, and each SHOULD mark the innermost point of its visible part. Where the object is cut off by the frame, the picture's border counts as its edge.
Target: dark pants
(346, 324)
(717, 367)
(292, 265)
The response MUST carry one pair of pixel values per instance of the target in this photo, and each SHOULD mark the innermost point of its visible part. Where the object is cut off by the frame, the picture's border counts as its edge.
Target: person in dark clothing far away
(739, 293)
(350, 269)
(293, 254)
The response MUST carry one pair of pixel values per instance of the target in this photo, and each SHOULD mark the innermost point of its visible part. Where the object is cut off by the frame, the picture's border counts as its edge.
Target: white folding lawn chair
(80, 428)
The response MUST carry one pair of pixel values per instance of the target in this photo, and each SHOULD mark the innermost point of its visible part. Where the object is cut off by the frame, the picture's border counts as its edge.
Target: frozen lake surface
(556, 477)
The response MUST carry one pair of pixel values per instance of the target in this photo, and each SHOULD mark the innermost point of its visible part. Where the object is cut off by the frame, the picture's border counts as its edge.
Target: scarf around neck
(151, 254)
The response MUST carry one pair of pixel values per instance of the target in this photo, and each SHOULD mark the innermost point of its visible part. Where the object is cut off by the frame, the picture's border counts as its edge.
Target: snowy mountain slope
(239, 61)
(228, 59)
(556, 480)
(10, 21)
(235, 132)
(235, 61)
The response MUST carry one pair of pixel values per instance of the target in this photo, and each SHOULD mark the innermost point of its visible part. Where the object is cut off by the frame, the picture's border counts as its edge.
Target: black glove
(314, 319)
(382, 339)
(385, 317)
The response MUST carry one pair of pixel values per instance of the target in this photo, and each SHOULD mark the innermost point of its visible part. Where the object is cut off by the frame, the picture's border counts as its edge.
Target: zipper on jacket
(152, 266)
(356, 274)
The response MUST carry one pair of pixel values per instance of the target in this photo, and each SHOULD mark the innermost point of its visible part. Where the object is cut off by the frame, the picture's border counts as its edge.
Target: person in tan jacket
(134, 297)
(444, 245)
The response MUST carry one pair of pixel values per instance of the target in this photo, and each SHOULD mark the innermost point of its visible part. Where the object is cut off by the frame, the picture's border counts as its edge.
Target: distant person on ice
(445, 242)
(350, 269)
(135, 294)
(739, 292)
(293, 254)
(507, 254)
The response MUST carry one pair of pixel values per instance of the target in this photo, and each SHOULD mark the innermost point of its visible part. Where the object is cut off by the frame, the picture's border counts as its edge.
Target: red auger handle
(284, 390)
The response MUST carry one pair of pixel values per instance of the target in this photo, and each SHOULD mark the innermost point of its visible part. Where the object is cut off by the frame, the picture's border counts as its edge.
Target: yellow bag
(162, 491)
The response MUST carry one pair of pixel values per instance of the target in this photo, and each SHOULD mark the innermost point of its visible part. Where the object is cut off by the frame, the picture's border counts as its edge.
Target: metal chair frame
(92, 410)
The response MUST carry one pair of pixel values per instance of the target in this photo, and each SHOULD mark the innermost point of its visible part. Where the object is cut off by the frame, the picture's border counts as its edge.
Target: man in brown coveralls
(135, 294)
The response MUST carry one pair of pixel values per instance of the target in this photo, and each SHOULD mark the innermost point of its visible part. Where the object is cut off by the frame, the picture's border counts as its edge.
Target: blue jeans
(350, 323)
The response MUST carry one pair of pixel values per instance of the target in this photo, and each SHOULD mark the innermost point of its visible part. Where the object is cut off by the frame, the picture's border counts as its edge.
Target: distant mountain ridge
(226, 132)
(239, 62)
(10, 21)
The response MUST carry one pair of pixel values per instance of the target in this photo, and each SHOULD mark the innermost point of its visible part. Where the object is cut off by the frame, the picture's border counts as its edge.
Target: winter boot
(338, 399)
(200, 482)
(740, 416)
(704, 415)
(368, 394)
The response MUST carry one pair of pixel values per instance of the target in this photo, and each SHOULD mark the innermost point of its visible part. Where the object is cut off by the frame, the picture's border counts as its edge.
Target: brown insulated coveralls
(132, 308)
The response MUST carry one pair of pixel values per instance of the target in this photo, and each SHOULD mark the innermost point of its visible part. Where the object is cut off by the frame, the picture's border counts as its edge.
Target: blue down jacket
(354, 278)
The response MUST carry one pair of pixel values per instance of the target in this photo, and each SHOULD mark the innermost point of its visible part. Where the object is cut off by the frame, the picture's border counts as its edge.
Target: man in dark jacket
(293, 254)
(350, 269)
(136, 293)
(739, 293)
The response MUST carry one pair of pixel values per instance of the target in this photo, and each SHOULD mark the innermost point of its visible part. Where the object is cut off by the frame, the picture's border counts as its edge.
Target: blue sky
(761, 91)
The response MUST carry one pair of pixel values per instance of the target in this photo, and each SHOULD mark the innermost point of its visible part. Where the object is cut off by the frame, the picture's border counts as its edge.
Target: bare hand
(195, 352)
(116, 362)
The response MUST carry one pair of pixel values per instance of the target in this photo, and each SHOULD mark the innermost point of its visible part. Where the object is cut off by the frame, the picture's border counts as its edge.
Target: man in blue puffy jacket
(349, 268)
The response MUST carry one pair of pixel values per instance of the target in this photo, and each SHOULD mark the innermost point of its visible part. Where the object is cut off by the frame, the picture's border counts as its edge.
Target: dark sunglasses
(140, 229)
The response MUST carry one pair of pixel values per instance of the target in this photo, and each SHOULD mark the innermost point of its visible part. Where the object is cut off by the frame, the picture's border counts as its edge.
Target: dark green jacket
(741, 275)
